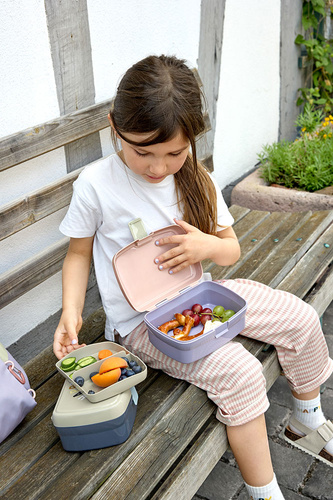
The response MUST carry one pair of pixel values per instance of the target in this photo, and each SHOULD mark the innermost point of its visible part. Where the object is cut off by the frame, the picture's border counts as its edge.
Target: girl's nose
(158, 167)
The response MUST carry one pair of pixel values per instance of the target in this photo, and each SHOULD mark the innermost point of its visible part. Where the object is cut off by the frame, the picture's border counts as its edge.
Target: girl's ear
(112, 126)
(110, 120)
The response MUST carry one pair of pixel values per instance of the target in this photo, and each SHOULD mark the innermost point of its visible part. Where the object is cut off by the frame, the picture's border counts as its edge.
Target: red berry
(187, 312)
(205, 318)
(206, 310)
(197, 308)
(196, 318)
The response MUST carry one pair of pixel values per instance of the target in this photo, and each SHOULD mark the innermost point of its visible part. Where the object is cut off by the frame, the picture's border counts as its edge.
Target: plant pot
(254, 193)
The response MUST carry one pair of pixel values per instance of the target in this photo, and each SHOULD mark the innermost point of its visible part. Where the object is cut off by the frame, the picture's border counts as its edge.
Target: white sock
(310, 414)
(269, 492)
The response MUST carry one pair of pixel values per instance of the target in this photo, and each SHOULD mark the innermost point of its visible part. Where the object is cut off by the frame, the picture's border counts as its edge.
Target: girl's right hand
(65, 336)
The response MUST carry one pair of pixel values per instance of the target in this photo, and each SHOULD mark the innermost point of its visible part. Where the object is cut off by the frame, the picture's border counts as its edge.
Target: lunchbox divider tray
(102, 393)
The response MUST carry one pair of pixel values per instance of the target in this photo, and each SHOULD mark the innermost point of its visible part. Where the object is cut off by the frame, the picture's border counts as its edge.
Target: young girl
(156, 118)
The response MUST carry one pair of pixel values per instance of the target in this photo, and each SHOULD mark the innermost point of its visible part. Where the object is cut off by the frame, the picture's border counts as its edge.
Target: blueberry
(79, 381)
(137, 369)
(127, 360)
(92, 374)
(130, 373)
(123, 371)
(132, 363)
(91, 392)
(122, 377)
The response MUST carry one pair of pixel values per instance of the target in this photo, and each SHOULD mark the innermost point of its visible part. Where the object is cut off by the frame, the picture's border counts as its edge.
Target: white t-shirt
(106, 196)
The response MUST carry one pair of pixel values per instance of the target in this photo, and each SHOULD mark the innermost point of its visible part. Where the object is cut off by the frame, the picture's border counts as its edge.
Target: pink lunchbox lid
(142, 283)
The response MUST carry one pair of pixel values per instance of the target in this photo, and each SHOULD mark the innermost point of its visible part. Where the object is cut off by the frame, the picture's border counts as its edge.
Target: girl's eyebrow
(170, 152)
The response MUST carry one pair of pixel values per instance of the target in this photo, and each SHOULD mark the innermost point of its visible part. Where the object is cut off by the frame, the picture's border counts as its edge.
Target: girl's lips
(156, 178)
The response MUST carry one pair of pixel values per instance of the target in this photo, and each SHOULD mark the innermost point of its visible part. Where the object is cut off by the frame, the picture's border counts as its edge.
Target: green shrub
(307, 162)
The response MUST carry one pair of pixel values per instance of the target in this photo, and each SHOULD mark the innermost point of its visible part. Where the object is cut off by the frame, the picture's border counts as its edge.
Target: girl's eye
(140, 154)
(176, 154)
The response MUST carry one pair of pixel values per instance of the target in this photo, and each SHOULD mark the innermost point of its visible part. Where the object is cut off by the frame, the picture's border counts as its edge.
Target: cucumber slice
(88, 360)
(68, 364)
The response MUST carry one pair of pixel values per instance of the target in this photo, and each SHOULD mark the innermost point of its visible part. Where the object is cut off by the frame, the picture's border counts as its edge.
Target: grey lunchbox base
(99, 435)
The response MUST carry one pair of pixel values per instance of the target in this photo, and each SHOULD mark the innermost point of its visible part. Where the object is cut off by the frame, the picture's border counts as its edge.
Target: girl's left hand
(191, 248)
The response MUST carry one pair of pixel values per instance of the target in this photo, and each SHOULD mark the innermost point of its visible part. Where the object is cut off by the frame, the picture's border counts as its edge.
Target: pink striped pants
(231, 376)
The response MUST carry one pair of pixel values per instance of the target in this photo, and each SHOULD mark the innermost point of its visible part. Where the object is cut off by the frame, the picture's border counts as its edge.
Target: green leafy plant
(307, 162)
(319, 53)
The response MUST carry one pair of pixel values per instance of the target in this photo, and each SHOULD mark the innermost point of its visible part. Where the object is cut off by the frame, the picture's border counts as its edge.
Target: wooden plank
(20, 457)
(69, 36)
(247, 224)
(262, 240)
(40, 139)
(85, 476)
(310, 268)
(321, 295)
(136, 477)
(37, 477)
(238, 212)
(290, 248)
(40, 475)
(189, 474)
(209, 63)
(253, 233)
(46, 396)
(32, 272)
(185, 480)
(35, 206)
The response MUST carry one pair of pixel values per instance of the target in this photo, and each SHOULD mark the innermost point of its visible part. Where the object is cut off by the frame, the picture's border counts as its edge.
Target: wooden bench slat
(19, 458)
(32, 272)
(40, 139)
(24, 277)
(91, 469)
(253, 246)
(238, 212)
(37, 205)
(310, 268)
(41, 474)
(289, 251)
(184, 481)
(320, 296)
(250, 222)
(138, 474)
(260, 233)
(152, 458)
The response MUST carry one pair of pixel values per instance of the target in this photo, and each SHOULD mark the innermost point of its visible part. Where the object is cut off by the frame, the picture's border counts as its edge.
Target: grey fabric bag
(17, 399)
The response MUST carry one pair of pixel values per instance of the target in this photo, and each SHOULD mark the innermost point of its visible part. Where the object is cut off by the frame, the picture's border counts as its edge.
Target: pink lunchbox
(146, 288)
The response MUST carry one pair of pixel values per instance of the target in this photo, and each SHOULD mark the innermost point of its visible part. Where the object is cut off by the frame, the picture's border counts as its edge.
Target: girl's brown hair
(160, 95)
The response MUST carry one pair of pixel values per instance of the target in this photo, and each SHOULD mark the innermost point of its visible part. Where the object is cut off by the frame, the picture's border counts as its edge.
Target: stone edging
(253, 192)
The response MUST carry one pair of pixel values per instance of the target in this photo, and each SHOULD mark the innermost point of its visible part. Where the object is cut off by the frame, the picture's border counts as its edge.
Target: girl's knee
(242, 376)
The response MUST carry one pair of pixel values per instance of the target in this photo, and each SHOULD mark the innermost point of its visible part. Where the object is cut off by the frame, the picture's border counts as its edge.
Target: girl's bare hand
(65, 336)
(192, 247)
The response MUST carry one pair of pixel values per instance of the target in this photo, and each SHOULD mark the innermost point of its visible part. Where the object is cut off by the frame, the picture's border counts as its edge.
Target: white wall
(248, 104)
(122, 32)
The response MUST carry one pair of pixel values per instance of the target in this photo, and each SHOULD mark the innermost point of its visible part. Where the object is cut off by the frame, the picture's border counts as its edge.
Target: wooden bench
(176, 440)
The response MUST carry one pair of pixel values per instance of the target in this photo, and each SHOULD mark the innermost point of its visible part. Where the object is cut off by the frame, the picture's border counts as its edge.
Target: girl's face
(154, 163)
